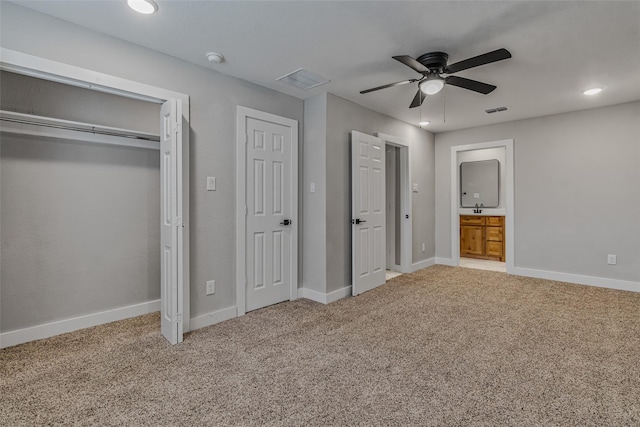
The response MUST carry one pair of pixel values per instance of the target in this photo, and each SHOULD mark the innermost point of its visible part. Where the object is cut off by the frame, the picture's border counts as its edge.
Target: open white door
(367, 207)
(171, 220)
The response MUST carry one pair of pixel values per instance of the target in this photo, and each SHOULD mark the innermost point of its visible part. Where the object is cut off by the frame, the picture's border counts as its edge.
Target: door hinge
(177, 127)
(246, 138)
(178, 317)
(246, 210)
(178, 222)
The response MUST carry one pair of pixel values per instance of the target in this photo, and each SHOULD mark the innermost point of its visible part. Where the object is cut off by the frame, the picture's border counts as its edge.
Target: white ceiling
(559, 48)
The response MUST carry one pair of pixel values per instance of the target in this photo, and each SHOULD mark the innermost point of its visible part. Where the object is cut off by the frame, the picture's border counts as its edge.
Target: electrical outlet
(211, 287)
(612, 259)
(423, 247)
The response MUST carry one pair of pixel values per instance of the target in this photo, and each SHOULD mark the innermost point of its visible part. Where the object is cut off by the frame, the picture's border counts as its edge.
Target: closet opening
(81, 201)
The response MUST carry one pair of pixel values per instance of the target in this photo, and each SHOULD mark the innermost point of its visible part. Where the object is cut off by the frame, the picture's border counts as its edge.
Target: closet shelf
(49, 127)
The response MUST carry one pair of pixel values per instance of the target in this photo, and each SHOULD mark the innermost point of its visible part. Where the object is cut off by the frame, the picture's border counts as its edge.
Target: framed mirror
(480, 184)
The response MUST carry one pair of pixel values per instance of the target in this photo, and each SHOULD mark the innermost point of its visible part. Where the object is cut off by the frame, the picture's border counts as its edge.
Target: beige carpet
(443, 346)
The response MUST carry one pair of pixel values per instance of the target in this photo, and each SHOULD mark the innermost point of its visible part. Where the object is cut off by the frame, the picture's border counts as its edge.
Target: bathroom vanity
(482, 237)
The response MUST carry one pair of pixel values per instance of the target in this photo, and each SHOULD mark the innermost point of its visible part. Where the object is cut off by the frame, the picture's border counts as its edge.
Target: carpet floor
(443, 346)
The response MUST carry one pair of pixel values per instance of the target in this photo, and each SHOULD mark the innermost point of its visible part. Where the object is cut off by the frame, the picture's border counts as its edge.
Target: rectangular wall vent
(495, 110)
(303, 79)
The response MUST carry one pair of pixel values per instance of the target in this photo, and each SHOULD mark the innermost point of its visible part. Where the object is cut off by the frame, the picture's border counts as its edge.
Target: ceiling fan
(432, 65)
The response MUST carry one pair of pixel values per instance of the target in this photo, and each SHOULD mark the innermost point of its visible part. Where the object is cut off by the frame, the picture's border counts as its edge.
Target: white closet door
(171, 221)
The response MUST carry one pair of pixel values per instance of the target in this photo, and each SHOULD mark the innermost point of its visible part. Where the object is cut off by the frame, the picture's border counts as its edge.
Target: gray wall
(80, 229)
(577, 190)
(314, 212)
(24, 94)
(80, 222)
(342, 117)
(213, 98)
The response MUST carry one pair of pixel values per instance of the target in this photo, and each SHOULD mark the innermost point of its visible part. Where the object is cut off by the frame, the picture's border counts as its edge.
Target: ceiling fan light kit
(432, 85)
(431, 65)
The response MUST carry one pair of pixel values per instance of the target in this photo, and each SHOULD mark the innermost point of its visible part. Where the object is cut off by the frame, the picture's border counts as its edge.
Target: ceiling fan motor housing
(434, 61)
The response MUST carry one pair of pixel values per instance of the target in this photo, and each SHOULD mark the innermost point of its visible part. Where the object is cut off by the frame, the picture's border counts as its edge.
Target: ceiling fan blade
(404, 82)
(412, 63)
(476, 61)
(418, 99)
(473, 85)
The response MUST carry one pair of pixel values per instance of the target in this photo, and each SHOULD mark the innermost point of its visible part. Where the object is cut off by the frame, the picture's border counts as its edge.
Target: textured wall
(80, 229)
(577, 192)
(314, 211)
(24, 94)
(342, 117)
(213, 101)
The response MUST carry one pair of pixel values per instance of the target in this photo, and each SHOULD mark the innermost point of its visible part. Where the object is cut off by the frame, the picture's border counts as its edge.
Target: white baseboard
(213, 317)
(602, 282)
(578, 279)
(423, 264)
(445, 261)
(19, 336)
(324, 298)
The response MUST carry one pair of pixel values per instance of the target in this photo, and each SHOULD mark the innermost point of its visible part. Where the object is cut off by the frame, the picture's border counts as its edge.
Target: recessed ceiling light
(424, 123)
(593, 91)
(143, 6)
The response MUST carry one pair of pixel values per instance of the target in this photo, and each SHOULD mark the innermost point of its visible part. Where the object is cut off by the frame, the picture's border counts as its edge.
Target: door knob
(286, 222)
(357, 221)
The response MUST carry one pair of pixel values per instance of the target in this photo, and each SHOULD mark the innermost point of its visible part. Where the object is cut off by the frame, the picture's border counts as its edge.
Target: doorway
(398, 213)
(508, 211)
(372, 249)
(175, 260)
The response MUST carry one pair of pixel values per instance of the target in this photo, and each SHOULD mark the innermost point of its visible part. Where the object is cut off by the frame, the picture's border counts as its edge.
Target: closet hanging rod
(67, 125)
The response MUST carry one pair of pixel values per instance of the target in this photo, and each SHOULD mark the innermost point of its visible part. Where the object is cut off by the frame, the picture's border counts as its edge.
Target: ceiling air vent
(303, 79)
(495, 110)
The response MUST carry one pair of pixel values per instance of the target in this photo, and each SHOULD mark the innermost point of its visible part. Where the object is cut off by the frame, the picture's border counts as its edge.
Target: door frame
(509, 198)
(242, 114)
(46, 69)
(406, 202)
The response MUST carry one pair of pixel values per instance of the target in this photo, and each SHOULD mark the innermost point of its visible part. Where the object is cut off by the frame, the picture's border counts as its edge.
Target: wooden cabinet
(482, 237)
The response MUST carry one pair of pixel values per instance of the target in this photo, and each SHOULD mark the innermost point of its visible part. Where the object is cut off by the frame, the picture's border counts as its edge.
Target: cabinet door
(471, 240)
(495, 250)
(494, 234)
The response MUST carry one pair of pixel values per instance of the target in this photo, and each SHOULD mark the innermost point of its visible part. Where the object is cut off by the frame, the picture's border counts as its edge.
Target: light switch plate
(312, 187)
(612, 259)
(415, 187)
(211, 183)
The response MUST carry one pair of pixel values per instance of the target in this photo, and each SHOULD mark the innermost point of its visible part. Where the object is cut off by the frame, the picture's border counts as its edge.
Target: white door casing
(171, 221)
(509, 213)
(368, 217)
(406, 203)
(267, 222)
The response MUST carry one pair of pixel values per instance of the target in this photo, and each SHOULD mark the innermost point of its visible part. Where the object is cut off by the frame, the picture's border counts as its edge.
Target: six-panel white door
(368, 217)
(269, 207)
(170, 200)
